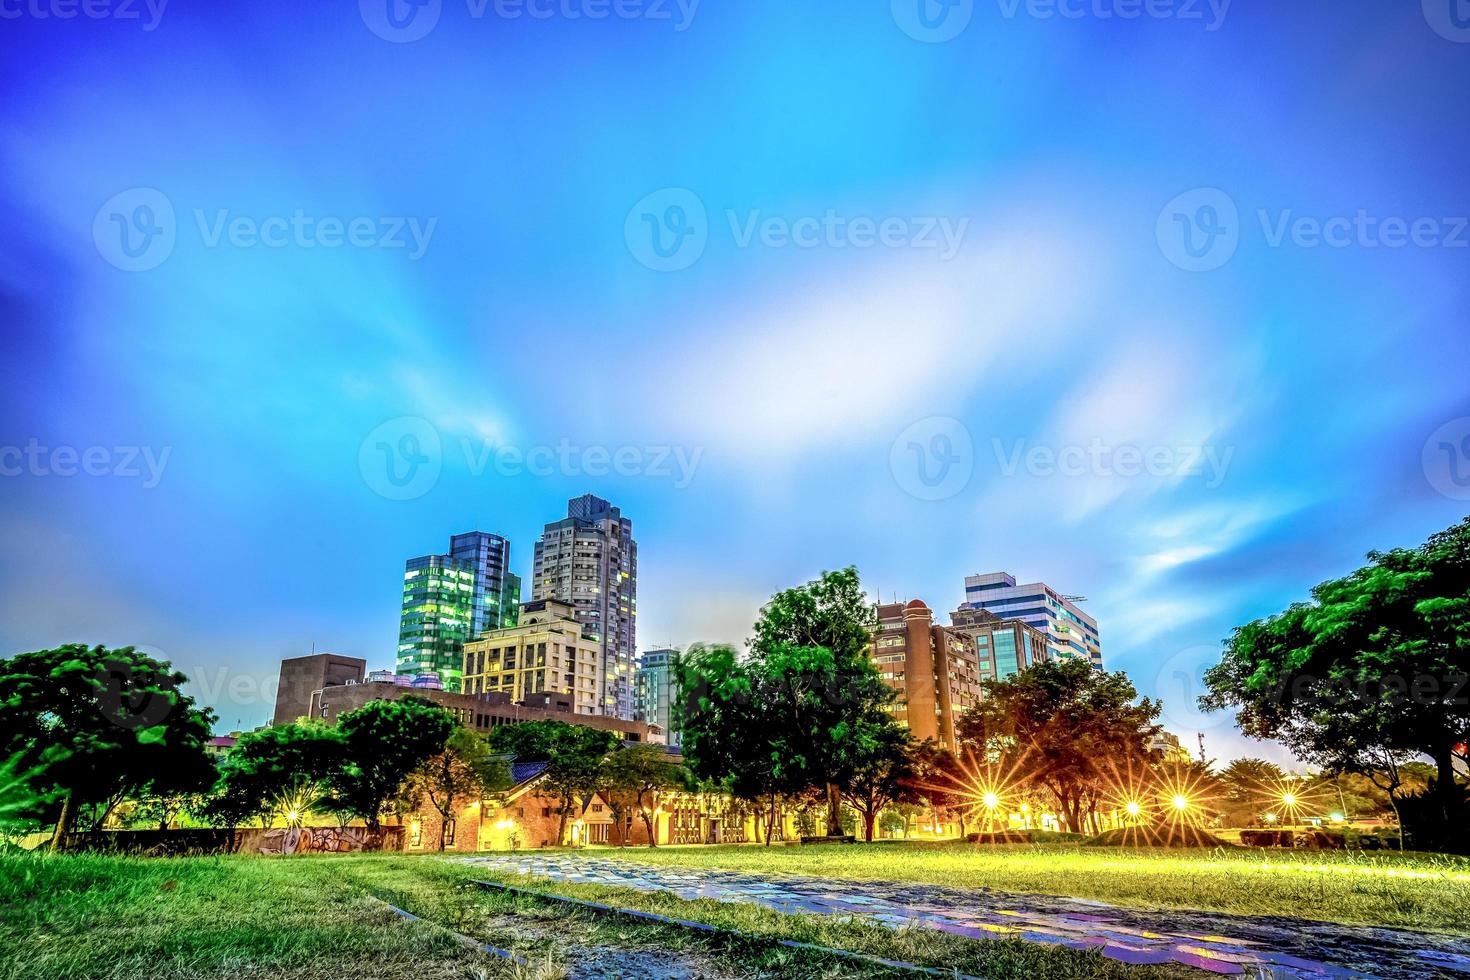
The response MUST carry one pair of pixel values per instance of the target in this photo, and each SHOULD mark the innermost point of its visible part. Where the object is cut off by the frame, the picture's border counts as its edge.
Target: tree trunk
(771, 820)
(648, 823)
(561, 823)
(870, 817)
(834, 810)
(1444, 785)
(443, 826)
(63, 822)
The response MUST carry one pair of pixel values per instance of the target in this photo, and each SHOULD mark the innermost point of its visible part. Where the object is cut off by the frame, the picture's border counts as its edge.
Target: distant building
(655, 692)
(497, 590)
(589, 559)
(481, 712)
(547, 652)
(301, 677)
(438, 611)
(1003, 647)
(1169, 748)
(1071, 632)
(932, 669)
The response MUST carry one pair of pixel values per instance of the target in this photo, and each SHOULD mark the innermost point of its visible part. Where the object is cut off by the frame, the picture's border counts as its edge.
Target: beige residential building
(933, 670)
(545, 653)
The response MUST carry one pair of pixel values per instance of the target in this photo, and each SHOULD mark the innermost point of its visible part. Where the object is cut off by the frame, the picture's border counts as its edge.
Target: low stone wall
(237, 840)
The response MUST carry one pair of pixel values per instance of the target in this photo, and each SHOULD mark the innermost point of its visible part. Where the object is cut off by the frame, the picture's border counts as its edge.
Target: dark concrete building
(302, 677)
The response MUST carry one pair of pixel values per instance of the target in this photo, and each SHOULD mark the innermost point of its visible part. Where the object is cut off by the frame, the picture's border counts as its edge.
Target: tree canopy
(384, 742)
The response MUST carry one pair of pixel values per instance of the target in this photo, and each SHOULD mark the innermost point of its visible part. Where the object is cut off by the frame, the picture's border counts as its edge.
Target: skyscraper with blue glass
(1070, 632)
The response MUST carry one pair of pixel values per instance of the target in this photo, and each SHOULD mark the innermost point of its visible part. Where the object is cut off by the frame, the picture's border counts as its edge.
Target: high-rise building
(1003, 647)
(589, 559)
(544, 653)
(1070, 631)
(497, 597)
(301, 677)
(438, 611)
(932, 669)
(655, 691)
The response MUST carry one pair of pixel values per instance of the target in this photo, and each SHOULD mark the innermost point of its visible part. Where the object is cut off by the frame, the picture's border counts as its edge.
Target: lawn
(1421, 891)
(109, 918)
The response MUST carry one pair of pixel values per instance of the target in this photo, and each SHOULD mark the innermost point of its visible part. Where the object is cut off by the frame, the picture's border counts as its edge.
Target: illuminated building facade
(932, 669)
(438, 612)
(1003, 647)
(497, 597)
(546, 652)
(655, 692)
(590, 560)
(1071, 633)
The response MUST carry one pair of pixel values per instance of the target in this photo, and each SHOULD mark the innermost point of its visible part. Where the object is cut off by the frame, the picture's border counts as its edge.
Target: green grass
(109, 918)
(1421, 891)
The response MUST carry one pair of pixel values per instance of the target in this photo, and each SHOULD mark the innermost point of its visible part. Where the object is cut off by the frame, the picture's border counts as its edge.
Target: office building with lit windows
(590, 560)
(933, 670)
(1070, 632)
(438, 611)
(546, 652)
(1003, 647)
(497, 590)
(655, 692)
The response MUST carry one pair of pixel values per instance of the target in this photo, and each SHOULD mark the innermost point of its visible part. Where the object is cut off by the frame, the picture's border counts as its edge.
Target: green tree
(882, 776)
(384, 742)
(95, 725)
(281, 771)
(573, 754)
(1075, 732)
(462, 770)
(1376, 663)
(632, 779)
(813, 643)
(1248, 786)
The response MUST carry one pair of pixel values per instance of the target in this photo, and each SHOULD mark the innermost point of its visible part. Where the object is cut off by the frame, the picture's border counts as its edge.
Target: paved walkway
(1223, 944)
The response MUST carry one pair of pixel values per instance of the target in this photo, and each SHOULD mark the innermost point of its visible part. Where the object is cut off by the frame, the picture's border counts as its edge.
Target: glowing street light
(1181, 802)
(1134, 808)
(1288, 799)
(991, 800)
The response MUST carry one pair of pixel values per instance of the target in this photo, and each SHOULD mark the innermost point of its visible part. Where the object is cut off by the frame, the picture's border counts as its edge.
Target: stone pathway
(1297, 949)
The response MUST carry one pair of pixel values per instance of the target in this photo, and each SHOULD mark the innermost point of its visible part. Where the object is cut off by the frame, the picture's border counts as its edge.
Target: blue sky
(929, 290)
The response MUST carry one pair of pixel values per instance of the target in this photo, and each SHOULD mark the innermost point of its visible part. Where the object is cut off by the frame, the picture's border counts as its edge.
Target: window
(415, 834)
(449, 833)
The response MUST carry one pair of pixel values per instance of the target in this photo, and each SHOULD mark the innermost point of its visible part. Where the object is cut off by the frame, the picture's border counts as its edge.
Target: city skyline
(1032, 376)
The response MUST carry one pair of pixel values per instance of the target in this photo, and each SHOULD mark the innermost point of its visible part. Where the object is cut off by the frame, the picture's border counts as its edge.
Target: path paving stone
(1288, 949)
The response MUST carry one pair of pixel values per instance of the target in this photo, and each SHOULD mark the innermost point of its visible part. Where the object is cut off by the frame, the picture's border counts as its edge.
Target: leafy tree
(631, 781)
(1247, 785)
(883, 775)
(384, 742)
(99, 724)
(1376, 663)
(284, 770)
(938, 779)
(831, 614)
(731, 735)
(463, 769)
(1075, 732)
(573, 755)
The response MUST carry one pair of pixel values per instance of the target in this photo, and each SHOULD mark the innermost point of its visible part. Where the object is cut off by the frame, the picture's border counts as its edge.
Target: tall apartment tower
(656, 692)
(933, 670)
(590, 560)
(438, 611)
(1071, 632)
(497, 599)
